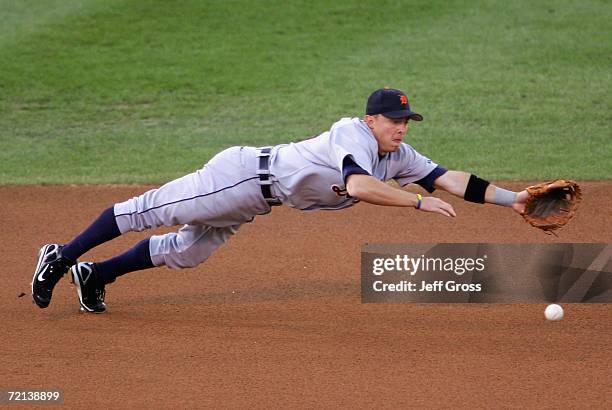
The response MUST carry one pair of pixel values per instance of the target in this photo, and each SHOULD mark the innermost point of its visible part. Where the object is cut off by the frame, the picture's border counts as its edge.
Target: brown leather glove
(552, 204)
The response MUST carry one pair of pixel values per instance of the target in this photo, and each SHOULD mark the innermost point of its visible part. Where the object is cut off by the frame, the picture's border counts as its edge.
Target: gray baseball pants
(210, 203)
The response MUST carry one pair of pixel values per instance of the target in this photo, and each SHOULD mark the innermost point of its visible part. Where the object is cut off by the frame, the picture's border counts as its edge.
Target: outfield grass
(144, 91)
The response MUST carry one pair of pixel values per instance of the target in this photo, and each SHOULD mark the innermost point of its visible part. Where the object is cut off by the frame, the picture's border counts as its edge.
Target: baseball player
(334, 170)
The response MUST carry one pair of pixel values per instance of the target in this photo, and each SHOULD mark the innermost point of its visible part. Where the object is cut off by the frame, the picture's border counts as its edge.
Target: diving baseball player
(338, 168)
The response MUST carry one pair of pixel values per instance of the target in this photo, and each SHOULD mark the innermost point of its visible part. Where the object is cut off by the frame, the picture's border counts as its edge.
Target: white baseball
(554, 312)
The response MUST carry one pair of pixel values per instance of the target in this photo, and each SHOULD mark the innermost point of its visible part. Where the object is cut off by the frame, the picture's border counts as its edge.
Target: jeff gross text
(424, 286)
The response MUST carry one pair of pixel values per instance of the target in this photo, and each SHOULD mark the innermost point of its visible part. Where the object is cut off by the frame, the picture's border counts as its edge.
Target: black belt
(264, 176)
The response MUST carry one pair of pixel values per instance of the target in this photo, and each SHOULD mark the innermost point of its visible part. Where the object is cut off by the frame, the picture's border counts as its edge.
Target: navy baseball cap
(391, 103)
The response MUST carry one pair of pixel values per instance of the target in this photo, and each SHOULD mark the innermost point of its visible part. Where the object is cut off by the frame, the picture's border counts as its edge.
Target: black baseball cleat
(89, 287)
(49, 270)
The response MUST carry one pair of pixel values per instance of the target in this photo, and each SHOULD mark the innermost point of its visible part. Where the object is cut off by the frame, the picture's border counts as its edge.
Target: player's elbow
(355, 192)
(356, 185)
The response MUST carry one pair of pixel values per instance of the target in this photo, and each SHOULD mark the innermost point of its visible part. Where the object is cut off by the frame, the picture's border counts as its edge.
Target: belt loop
(263, 170)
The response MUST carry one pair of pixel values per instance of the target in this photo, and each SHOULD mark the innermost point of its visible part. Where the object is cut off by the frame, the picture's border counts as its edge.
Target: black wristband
(475, 190)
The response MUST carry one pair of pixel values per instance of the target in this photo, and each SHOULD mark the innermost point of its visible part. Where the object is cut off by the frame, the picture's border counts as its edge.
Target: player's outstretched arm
(471, 188)
(369, 189)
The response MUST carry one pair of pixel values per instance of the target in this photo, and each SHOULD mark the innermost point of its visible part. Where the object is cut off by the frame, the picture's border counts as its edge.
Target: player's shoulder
(347, 122)
(353, 132)
(353, 128)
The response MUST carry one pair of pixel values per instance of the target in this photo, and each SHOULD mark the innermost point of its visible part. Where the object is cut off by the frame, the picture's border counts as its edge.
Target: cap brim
(404, 114)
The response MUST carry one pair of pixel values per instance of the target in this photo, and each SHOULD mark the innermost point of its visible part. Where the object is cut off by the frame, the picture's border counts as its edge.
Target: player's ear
(369, 120)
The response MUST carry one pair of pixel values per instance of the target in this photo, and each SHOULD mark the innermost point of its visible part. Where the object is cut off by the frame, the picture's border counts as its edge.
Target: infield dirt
(274, 318)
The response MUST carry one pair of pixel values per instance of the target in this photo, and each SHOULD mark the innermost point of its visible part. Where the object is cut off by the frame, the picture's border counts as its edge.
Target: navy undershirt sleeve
(428, 181)
(349, 167)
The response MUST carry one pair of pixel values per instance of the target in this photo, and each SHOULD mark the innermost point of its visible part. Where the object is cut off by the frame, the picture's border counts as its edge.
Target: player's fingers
(448, 208)
(443, 211)
(436, 205)
(431, 204)
(520, 208)
(451, 210)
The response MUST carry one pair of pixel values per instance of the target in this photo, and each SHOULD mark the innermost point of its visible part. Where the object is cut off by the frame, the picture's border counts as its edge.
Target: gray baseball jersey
(308, 174)
(214, 201)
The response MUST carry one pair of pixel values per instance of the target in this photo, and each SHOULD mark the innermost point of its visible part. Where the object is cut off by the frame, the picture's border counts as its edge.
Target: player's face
(389, 132)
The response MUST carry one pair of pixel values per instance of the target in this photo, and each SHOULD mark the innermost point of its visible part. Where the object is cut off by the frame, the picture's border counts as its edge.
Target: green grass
(144, 91)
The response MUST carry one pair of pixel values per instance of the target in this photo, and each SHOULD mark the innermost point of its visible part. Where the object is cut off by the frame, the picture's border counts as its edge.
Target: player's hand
(519, 202)
(433, 204)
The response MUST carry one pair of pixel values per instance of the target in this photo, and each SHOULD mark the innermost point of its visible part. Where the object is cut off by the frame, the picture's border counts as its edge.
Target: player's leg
(188, 247)
(224, 192)
(90, 278)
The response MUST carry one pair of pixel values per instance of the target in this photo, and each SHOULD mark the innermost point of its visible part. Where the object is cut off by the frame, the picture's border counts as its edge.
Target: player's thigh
(224, 192)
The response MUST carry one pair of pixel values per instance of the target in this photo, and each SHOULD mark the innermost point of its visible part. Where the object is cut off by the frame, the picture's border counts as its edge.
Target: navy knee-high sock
(101, 230)
(137, 258)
